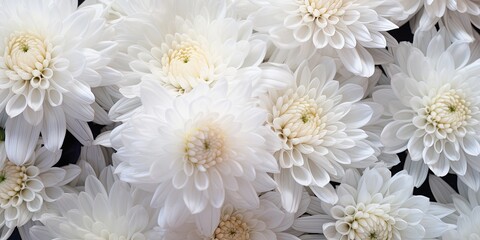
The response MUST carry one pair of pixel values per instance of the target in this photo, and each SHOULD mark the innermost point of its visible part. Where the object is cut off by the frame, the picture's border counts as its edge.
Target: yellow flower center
(448, 111)
(186, 63)
(369, 222)
(232, 227)
(297, 119)
(28, 57)
(205, 147)
(322, 11)
(12, 181)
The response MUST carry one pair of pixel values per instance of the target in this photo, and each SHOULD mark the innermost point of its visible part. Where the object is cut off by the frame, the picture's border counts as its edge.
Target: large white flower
(50, 56)
(197, 150)
(433, 105)
(348, 26)
(376, 205)
(268, 221)
(199, 44)
(319, 122)
(27, 190)
(107, 209)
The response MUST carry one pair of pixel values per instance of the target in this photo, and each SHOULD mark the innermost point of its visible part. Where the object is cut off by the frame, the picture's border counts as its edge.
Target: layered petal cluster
(197, 150)
(116, 10)
(467, 208)
(319, 123)
(350, 27)
(27, 191)
(107, 209)
(376, 205)
(433, 105)
(458, 16)
(199, 44)
(51, 56)
(267, 221)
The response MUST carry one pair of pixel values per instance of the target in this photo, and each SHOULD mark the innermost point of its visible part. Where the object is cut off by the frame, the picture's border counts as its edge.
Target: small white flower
(434, 106)
(51, 56)
(348, 26)
(197, 150)
(319, 122)
(26, 189)
(376, 205)
(107, 209)
(267, 221)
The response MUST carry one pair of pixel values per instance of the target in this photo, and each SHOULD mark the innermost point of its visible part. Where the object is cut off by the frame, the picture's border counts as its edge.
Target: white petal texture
(28, 190)
(457, 15)
(347, 26)
(466, 206)
(435, 106)
(103, 211)
(267, 221)
(376, 205)
(198, 149)
(48, 50)
(319, 122)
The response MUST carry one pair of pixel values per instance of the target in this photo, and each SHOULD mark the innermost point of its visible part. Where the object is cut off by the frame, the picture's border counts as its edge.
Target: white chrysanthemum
(26, 189)
(348, 26)
(319, 123)
(197, 150)
(433, 105)
(267, 221)
(107, 209)
(467, 206)
(199, 44)
(376, 205)
(51, 54)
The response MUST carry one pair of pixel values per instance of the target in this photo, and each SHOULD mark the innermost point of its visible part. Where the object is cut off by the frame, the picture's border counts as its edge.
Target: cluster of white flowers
(239, 119)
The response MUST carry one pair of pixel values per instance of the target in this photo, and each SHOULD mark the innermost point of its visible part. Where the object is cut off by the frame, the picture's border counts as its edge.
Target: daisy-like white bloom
(467, 206)
(51, 55)
(197, 150)
(107, 209)
(433, 105)
(348, 26)
(319, 122)
(199, 44)
(267, 221)
(376, 205)
(27, 190)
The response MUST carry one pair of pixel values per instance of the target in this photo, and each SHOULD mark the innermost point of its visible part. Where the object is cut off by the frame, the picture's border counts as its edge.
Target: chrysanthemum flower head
(434, 104)
(51, 55)
(319, 122)
(26, 190)
(376, 205)
(267, 221)
(348, 26)
(197, 150)
(200, 44)
(107, 209)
